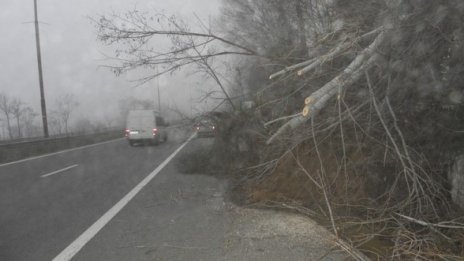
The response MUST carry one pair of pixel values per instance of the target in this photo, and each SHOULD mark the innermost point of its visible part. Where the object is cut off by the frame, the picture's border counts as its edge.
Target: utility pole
(39, 62)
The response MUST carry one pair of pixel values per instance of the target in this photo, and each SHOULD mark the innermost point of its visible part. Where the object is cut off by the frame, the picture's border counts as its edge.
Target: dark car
(205, 128)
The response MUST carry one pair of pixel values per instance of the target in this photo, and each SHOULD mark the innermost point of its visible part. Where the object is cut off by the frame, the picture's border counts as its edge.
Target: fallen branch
(291, 68)
(318, 99)
(428, 224)
(330, 56)
(305, 114)
(352, 251)
(314, 62)
(280, 119)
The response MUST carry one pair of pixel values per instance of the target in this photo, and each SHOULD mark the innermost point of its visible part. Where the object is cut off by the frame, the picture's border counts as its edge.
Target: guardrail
(58, 136)
(23, 149)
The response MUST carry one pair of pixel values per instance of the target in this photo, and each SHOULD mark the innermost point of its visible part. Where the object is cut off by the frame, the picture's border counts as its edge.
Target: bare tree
(2, 128)
(28, 119)
(135, 34)
(6, 108)
(65, 105)
(382, 78)
(17, 110)
(55, 123)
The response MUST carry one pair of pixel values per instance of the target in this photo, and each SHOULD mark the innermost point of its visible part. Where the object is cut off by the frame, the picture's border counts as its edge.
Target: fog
(72, 57)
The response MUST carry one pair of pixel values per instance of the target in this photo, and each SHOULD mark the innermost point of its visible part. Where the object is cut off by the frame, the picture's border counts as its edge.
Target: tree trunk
(8, 124)
(318, 99)
(19, 127)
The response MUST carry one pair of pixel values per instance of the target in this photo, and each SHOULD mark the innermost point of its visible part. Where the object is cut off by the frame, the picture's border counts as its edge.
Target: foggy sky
(72, 55)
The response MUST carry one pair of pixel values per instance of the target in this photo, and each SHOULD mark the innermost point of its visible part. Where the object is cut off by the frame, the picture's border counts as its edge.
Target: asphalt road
(179, 217)
(43, 209)
(48, 204)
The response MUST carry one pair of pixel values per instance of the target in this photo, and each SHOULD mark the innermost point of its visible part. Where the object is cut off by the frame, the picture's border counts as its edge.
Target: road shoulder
(188, 217)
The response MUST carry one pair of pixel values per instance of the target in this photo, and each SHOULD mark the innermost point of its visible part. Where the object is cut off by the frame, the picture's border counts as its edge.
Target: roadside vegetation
(350, 112)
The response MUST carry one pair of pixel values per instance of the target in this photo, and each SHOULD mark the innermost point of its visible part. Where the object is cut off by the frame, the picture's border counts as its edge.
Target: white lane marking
(58, 171)
(85, 237)
(59, 152)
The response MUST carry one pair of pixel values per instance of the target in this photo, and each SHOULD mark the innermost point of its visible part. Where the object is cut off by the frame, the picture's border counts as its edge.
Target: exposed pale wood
(314, 62)
(318, 99)
(291, 68)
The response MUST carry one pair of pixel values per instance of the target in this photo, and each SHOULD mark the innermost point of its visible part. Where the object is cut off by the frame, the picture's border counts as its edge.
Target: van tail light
(126, 132)
(155, 131)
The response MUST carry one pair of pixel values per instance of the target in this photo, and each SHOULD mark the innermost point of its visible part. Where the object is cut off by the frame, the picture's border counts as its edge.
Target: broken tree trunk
(318, 99)
(314, 62)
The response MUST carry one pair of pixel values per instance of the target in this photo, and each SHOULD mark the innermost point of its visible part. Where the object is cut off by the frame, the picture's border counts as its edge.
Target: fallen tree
(371, 110)
(409, 72)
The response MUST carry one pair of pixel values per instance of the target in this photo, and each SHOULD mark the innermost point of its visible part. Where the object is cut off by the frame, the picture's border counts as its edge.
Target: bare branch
(316, 101)
(428, 224)
(314, 62)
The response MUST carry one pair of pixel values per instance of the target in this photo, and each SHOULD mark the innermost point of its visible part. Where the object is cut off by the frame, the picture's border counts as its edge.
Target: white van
(144, 126)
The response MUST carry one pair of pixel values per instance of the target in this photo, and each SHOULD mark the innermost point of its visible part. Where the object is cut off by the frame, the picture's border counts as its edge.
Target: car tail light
(126, 132)
(155, 131)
